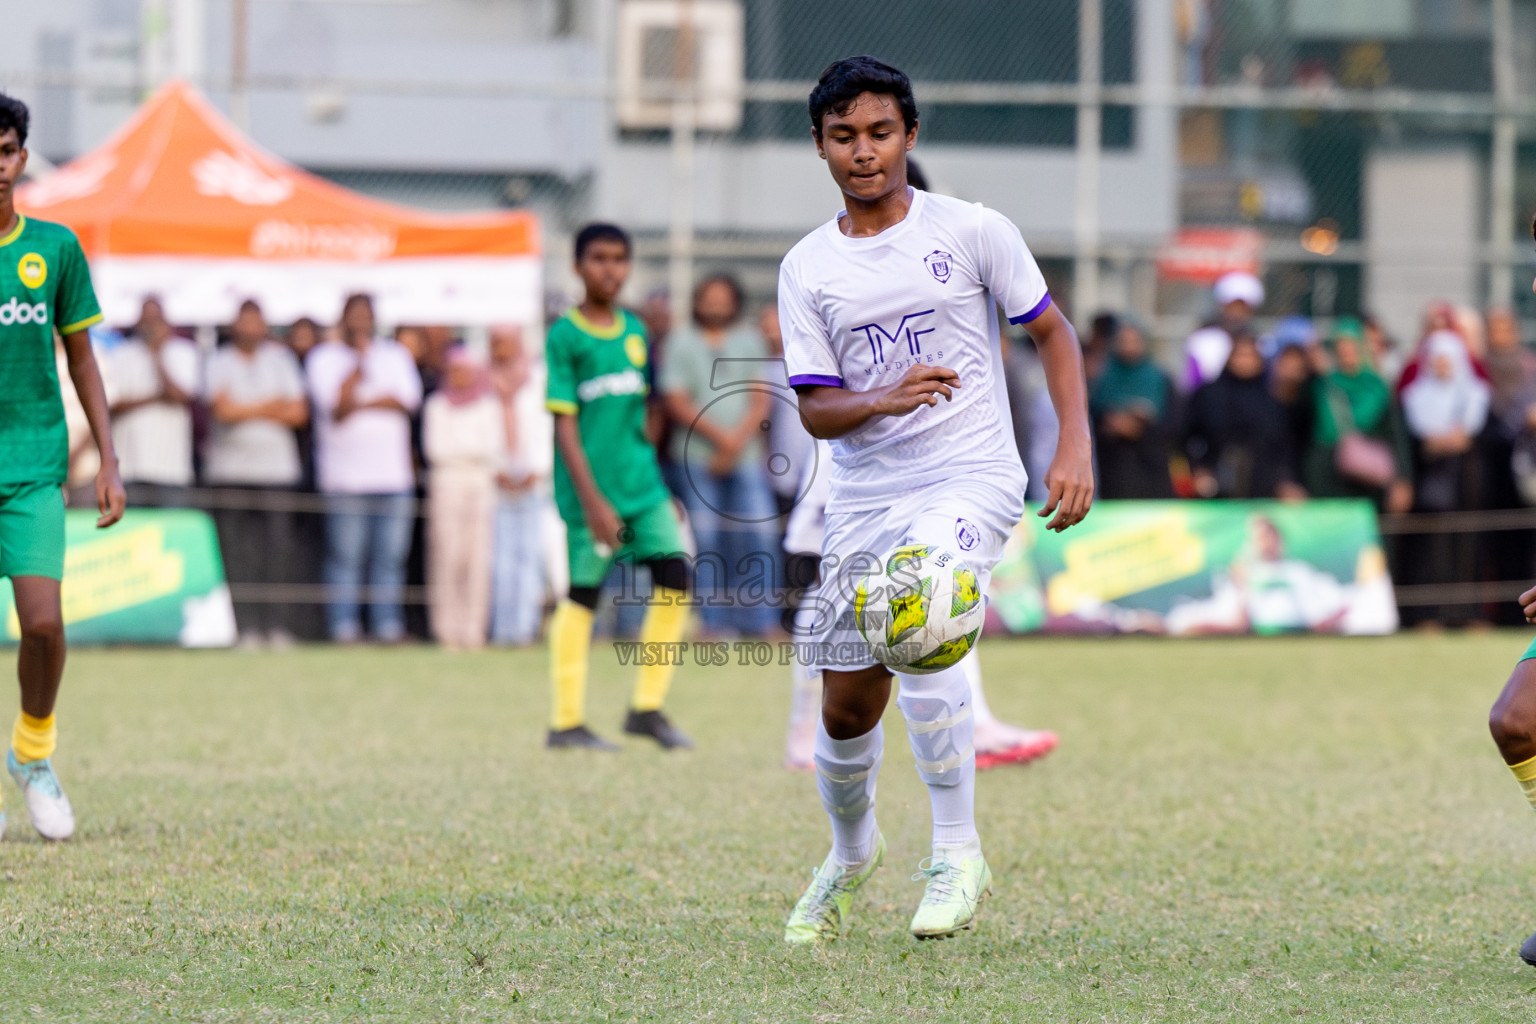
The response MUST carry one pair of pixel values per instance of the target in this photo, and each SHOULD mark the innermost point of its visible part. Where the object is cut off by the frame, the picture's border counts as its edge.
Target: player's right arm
(827, 408)
(829, 412)
(111, 498)
(77, 309)
(601, 519)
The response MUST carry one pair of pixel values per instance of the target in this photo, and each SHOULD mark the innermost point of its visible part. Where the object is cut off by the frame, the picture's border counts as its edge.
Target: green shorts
(1530, 652)
(32, 530)
(649, 536)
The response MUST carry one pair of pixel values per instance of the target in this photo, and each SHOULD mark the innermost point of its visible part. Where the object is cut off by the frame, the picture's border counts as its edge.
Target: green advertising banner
(1190, 568)
(154, 578)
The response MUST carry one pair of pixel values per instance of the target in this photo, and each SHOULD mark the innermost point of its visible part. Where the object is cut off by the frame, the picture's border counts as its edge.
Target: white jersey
(857, 313)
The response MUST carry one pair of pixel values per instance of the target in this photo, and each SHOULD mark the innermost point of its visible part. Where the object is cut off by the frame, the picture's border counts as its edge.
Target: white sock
(941, 727)
(846, 772)
(954, 810)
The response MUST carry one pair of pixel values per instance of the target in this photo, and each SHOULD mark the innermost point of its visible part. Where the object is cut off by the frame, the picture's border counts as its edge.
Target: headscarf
(1291, 332)
(1440, 318)
(458, 357)
(1434, 406)
(1363, 397)
(1130, 384)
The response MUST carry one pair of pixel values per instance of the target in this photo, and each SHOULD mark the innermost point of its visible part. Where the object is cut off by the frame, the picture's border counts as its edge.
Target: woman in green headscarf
(1129, 405)
(1353, 400)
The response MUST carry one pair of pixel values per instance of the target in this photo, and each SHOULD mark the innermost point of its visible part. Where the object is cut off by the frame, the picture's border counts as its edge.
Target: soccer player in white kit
(889, 314)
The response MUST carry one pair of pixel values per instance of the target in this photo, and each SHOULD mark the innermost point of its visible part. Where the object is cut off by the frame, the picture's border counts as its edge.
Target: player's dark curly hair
(14, 114)
(601, 233)
(845, 79)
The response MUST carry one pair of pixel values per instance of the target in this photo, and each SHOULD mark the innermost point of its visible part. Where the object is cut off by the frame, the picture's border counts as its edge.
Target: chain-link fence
(1380, 152)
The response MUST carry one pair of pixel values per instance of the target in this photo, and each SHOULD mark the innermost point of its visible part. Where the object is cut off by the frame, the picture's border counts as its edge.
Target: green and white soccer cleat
(957, 881)
(47, 805)
(822, 912)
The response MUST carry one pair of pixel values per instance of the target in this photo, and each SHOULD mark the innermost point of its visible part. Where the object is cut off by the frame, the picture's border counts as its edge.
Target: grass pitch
(1231, 830)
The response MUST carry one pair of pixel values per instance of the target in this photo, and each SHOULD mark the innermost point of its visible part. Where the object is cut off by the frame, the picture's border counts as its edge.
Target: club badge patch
(33, 270)
(966, 534)
(634, 347)
(939, 264)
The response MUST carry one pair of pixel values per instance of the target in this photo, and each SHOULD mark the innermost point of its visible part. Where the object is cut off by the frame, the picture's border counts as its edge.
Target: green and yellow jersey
(598, 375)
(45, 285)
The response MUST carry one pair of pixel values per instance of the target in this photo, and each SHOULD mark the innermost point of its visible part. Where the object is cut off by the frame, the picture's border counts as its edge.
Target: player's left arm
(111, 499)
(1069, 481)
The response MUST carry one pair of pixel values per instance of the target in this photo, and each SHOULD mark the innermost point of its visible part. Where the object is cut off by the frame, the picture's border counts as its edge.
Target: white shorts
(970, 517)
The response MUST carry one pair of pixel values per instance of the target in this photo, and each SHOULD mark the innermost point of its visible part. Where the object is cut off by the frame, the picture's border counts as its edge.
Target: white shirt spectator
(368, 452)
(470, 439)
(256, 451)
(154, 441)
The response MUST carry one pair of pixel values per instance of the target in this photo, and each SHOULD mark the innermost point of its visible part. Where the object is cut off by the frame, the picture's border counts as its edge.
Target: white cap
(1239, 286)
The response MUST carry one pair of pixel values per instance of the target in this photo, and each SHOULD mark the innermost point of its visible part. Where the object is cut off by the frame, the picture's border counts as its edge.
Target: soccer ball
(920, 609)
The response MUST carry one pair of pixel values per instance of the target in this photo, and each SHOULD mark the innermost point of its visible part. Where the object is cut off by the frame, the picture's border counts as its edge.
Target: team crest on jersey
(634, 347)
(939, 264)
(966, 534)
(33, 270)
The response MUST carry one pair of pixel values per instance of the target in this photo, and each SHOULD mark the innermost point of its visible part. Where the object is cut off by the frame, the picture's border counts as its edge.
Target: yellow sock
(1525, 774)
(34, 738)
(665, 620)
(570, 636)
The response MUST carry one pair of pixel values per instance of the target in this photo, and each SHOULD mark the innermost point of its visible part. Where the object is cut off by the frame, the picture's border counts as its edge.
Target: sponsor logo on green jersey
(14, 312)
(625, 382)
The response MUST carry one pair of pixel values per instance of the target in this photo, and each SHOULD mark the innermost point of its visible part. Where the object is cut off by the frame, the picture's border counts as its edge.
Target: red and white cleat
(1029, 745)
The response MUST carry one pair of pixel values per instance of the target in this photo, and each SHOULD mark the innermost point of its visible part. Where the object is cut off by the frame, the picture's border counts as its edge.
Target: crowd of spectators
(333, 455)
(1330, 409)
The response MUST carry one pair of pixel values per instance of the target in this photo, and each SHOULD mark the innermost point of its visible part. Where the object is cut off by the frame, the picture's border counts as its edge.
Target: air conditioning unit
(662, 41)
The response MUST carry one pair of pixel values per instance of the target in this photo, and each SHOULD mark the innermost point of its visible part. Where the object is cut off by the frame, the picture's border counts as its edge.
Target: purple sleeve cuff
(1045, 300)
(814, 380)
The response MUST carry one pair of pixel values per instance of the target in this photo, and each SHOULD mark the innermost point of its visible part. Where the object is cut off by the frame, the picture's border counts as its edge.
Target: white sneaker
(47, 805)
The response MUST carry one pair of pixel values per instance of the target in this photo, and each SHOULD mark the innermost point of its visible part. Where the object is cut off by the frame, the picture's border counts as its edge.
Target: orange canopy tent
(181, 205)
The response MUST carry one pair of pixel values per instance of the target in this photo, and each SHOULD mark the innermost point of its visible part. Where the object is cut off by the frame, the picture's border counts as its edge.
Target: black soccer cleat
(1528, 951)
(655, 725)
(577, 738)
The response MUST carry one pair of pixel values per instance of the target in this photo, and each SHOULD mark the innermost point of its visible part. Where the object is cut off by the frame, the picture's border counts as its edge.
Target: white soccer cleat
(957, 881)
(822, 912)
(47, 805)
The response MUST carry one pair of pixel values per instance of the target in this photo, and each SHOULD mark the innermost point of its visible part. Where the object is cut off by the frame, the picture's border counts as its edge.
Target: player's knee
(852, 703)
(845, 720)
(1512, 720)
(46, 626)
(1511, 725)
